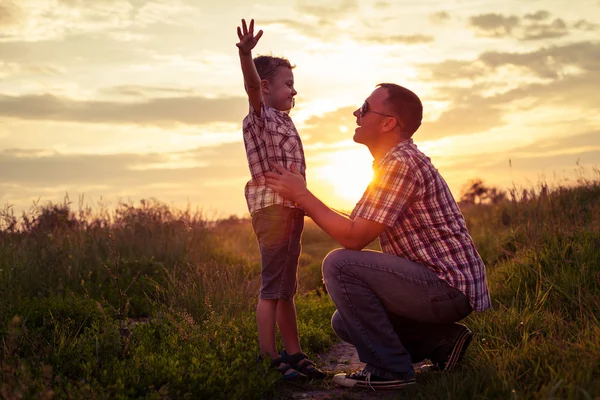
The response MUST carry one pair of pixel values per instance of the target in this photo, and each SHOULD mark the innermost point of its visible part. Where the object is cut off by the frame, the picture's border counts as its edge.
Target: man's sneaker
(450, 355)
(364, 379)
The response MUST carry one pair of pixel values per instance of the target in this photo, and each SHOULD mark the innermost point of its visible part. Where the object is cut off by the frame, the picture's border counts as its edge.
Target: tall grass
(148, 301)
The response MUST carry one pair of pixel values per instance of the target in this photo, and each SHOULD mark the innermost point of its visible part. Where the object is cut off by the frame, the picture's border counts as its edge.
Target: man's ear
(264, 86)
(391, 123)
(397, 123)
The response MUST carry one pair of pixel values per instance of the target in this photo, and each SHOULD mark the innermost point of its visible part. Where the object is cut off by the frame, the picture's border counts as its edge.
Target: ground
(341, 357)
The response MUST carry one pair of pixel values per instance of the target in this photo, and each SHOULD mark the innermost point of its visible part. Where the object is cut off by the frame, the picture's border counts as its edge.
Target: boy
(271, 137)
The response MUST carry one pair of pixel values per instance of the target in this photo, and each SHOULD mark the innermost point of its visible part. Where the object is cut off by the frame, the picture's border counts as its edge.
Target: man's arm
(353, 234)
(251, 78)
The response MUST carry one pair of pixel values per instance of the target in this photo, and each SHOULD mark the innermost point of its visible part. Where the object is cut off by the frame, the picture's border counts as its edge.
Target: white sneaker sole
(342, 380)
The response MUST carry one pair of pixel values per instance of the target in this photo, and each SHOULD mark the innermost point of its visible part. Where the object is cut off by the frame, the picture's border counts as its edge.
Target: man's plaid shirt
(424, 223)
(270, 138)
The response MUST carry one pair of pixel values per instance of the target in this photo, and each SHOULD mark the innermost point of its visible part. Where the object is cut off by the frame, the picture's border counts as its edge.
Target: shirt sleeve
(255, 120)
(393, 189)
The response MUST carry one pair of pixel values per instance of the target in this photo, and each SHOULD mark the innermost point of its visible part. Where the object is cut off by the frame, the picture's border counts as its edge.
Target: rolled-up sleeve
(393, 188)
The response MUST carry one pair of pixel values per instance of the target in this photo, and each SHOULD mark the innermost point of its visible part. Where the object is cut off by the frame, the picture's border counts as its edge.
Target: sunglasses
(365, 109)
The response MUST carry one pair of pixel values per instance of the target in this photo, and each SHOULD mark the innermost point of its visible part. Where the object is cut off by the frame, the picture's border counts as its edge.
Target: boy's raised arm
(251, 78)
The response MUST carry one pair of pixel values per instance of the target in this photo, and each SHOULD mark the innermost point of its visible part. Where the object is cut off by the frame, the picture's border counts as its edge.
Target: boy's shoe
(287, 372)
(364, 379)
(450, 355)
(301, 363)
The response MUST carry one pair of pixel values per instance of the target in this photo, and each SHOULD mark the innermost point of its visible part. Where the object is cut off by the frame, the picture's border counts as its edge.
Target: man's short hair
(404, 104)
(267, 66)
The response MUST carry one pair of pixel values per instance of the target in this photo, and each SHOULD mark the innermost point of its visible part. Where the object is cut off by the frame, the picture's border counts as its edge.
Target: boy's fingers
(244, 27)
(258, 35)
(239, 32)
(251, 29)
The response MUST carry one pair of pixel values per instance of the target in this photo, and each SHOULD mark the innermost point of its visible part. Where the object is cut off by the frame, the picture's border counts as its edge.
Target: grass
(151, 302)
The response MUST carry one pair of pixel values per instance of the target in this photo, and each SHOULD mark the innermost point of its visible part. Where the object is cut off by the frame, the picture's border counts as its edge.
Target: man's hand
(247, 39)
(290, 185)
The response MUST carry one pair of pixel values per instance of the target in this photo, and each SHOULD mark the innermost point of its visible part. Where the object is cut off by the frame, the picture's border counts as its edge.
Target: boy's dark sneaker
(364, 379)
(301, 363)
(287, 372)
(450, 355)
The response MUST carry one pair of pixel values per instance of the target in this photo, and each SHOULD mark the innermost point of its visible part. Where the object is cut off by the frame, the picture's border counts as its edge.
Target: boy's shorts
(279, 230)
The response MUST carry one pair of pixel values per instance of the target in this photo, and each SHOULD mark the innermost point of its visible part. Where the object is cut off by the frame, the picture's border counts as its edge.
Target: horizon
(142, 99)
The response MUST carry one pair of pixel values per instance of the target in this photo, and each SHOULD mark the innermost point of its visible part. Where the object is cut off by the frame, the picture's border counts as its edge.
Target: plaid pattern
(270, 138)
(424, 223)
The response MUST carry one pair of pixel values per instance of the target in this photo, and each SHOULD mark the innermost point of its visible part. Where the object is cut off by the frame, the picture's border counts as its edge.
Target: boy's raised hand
(247, 38)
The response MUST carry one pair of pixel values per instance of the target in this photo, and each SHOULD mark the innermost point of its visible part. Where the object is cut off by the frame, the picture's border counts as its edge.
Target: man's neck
(379, 150)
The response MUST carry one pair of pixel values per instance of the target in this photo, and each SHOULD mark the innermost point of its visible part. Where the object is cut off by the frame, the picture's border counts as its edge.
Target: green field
(148, 301)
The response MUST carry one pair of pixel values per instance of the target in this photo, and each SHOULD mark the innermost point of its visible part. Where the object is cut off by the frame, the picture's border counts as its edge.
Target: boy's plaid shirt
(424, 223)
(270, 138)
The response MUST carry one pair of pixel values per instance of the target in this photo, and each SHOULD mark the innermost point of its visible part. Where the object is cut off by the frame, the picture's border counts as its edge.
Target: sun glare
(349, 172)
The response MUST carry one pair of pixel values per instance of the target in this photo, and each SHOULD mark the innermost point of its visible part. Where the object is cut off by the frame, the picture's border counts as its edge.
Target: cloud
(556, 154)
(473, 115)
(439, 17)
(383, 5)
(309, 29)
(549, 62)
(48, 20)
(332, 12)
(329, 128)
(529, 27)
(494, 25)
(538, 16)
(145, 91)
(585, 25)
(12, 69)
(449, 70)
(472, 109)
(565, 143)
(218, 182)
(41, 168)
(10, 14)
(555, 29)
(191, 110)
(398, 39)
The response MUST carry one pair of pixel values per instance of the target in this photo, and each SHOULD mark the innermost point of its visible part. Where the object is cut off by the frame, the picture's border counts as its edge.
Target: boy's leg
(366, 286)
(288, 283)
(265, 320)
(272, 228)
(288, 326)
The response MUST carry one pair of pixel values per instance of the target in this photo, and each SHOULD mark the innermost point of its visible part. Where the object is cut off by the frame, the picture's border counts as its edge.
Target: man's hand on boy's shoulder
(247, 39)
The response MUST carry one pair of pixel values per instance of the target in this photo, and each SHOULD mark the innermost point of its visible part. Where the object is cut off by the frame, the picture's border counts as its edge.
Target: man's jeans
(395, 312)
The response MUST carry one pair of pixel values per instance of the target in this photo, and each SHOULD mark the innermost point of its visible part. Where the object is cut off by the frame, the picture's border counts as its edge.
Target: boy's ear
(264, 85)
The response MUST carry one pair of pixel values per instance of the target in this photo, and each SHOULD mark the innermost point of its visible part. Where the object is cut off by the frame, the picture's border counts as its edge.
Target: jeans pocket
(272, 226)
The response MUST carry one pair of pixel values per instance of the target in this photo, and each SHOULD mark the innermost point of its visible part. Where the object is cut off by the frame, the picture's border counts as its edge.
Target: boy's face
(281, 90)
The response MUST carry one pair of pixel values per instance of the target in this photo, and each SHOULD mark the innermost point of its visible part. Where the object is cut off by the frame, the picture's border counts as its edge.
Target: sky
(109, 101)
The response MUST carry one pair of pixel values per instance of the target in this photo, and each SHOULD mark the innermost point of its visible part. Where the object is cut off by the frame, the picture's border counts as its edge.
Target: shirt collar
(398, 146)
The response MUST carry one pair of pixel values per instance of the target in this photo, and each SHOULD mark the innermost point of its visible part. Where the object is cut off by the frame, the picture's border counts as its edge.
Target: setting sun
(349, 172)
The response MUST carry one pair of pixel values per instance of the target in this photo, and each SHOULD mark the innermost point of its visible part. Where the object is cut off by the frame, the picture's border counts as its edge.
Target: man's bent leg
(366, 287)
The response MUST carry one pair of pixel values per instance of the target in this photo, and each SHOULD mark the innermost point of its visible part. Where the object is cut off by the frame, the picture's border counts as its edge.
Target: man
(400, 306)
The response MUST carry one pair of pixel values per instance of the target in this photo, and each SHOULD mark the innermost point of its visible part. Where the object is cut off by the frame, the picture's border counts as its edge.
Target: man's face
(281, 90)
(371, 123)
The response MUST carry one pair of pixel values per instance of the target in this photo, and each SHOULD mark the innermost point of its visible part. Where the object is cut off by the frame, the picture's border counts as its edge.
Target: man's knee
(332, 262)
(339, 327)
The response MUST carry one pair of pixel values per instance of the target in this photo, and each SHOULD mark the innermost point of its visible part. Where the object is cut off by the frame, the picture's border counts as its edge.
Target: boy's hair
(267, 66)
(405, 105)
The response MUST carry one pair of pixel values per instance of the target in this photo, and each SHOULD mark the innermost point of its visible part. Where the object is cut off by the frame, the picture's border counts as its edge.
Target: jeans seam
(356, 319)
